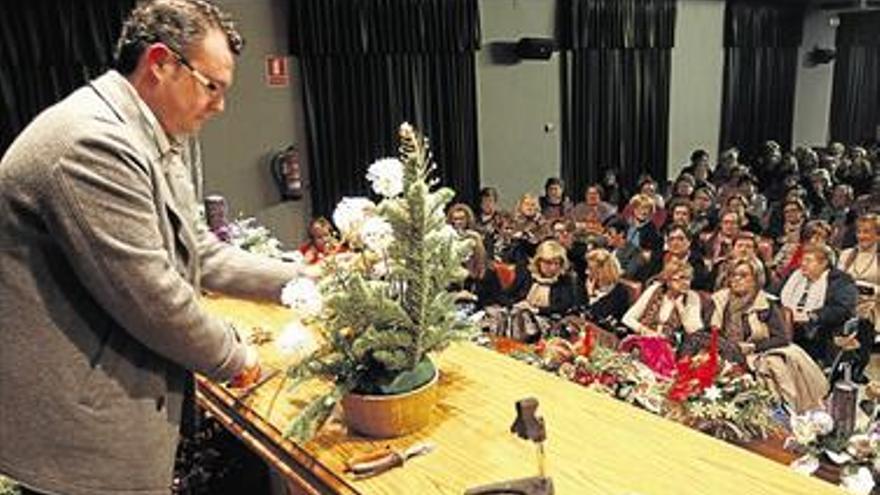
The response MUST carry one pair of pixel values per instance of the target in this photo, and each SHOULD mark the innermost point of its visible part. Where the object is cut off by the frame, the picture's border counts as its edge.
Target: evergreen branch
(315, 414)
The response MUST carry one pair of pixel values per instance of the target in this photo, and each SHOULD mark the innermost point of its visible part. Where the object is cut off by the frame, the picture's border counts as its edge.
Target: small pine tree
(379, 330)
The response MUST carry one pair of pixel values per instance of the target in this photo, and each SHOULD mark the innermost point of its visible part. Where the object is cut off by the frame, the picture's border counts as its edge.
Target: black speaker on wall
(535, 48)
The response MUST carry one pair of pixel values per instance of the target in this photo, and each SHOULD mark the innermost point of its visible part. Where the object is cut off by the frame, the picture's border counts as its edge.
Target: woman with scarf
(664, 314)
(544, 290)
(752, 325)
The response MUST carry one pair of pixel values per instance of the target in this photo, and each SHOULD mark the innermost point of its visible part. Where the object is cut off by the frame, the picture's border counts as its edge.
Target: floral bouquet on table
(815, 435)
(720, 398)
(383, 306)
(585, 361)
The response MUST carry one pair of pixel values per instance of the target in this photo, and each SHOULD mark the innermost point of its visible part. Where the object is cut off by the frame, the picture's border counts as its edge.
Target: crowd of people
(779, 256)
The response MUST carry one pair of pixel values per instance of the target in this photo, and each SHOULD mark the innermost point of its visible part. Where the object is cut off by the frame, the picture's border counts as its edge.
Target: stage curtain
(855, 97)
(761, 41)
(48, 48)
(382, 63)
(615, 60)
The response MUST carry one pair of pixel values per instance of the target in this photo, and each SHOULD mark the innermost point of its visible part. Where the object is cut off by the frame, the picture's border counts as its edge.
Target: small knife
(376, 463)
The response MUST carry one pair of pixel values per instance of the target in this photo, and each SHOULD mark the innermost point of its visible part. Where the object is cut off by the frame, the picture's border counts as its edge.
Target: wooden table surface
(595, 444)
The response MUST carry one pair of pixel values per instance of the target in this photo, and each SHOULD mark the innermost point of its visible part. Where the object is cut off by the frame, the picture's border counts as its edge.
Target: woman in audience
(555, 203)
(789, 258)
(322, 241)
(606, 298)
(862, 263)
(461, 218)
(592, 212)
(668, 307)
(821, 299)
(752, 322)
(678, 245)
(482, 285)
(487, 218)
(543, 290)
(747, 221)
(745, 246)
(529, 227)
(721, 243)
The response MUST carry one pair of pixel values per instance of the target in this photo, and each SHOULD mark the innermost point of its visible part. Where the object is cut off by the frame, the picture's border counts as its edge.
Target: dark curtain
(761, 42)
(615, 88)
(385, 62)
(855, 97)
(48, 48)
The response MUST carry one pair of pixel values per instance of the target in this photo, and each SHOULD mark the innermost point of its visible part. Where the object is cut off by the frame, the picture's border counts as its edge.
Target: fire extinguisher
(287, 174)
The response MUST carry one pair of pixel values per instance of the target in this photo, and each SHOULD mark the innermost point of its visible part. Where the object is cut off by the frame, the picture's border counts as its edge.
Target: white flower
(807, 464)
(822, 422)
(802, 429)
(386, 176)
(296, 339)
(376, 233)
(712, 393)
(350, 213)
(302, 295)
(860, 483)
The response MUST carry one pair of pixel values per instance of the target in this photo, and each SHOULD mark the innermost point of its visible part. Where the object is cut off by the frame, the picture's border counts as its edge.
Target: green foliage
(379, 330)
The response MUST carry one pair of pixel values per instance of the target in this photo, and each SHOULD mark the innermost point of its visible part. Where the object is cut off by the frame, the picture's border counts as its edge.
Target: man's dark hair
(176, 23)
(489, 192)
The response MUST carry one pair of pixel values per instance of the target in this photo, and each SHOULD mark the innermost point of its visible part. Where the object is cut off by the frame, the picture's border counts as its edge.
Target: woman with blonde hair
(544, 289)
(529, 227)
(752, 323)
(606, 298)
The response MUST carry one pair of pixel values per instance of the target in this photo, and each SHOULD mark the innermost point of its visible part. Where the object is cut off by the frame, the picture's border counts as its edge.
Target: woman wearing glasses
(752, 323)
(663, 315)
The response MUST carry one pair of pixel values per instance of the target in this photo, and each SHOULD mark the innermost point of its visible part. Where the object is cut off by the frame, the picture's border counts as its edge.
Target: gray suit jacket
(101, 265)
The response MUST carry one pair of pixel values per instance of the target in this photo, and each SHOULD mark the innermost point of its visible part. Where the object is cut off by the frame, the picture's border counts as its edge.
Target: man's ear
(158, 59)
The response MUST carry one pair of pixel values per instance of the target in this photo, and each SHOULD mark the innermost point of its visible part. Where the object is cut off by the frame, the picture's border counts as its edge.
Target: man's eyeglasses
(214, 88)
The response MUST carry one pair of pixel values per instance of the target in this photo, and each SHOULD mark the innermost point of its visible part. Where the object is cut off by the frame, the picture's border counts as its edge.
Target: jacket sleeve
(840, 301)
(99, 206)
(233, 271)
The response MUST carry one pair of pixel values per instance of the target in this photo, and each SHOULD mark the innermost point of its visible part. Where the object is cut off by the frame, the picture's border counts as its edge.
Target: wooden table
(596, 444)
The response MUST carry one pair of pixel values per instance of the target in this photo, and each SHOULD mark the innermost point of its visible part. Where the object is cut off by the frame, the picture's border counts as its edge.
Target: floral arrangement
(734, 406)
(247, 234)
(720, 398)
(705, 392)
(815, 436)
(383, 306)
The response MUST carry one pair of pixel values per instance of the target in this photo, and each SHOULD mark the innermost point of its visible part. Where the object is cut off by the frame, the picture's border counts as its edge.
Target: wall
(258, 120)
(517, 102)
(812, 105)
(696, 82)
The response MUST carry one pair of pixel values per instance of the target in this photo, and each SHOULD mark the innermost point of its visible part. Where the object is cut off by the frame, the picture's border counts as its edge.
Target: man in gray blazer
(102, 262)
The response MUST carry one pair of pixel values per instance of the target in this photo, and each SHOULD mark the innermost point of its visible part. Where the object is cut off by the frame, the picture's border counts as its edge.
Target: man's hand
(251, 372)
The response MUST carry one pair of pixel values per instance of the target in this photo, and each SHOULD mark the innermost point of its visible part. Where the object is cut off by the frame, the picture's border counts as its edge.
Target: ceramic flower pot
(388, 416)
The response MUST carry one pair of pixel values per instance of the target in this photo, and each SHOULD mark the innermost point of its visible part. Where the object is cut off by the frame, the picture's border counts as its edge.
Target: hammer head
(528, 425)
